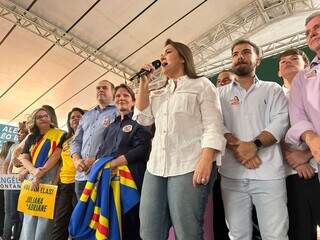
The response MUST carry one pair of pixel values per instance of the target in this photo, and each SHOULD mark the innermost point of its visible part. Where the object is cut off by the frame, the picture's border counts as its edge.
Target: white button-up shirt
(246, 114)
(187, 119)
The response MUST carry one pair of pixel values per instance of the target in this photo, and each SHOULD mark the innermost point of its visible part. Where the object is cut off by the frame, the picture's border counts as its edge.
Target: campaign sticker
(106, 122)
(127, 128)
(311, 74)
(234, 101)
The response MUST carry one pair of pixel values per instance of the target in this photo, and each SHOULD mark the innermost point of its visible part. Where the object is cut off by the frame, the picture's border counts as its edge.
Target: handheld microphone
(156, 64)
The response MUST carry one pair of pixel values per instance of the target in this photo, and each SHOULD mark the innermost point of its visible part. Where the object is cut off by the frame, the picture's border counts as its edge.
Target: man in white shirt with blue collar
(256, 118)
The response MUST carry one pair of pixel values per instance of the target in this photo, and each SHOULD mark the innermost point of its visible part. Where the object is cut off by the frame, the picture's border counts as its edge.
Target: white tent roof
(35, 68)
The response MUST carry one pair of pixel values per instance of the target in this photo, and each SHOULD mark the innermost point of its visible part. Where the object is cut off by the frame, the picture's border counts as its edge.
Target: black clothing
(303, 207)
(127, 137)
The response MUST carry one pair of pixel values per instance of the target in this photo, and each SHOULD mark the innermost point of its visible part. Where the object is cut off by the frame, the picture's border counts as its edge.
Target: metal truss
(245, 22)
(158, 81)
(269, 49)
(27, 20)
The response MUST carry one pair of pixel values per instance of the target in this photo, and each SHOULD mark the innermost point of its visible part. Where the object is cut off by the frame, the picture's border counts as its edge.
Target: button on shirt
(187, 118)
(246, 114)
(286, 91)
(89, 134)
(304, 103)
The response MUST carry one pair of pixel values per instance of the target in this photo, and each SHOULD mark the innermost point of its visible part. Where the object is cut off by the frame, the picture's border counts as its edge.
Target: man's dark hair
(244, 41)
(294, 51)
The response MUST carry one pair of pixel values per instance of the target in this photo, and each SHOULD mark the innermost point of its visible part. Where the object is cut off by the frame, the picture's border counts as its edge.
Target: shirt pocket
(86, 123)
(230, 109)
(185, 103)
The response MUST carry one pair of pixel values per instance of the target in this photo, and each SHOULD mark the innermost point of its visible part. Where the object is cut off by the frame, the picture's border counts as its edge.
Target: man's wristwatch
(258, 143)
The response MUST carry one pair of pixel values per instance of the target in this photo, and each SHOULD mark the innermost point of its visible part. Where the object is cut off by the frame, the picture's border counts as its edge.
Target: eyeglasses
(46, 116)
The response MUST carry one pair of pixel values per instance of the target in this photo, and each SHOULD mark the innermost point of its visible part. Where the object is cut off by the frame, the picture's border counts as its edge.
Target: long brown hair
(32, 122)
(186, 54)
(70, 130)
(52, 114)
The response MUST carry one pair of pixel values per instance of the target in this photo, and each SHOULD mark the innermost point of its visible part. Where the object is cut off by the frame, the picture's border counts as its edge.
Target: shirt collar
(285, 89)
(110, 105)
(256, 82)
(180, 81)
(315, 62)
(127, 116)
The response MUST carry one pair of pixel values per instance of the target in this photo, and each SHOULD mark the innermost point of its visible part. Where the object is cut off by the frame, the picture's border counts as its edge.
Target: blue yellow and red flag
(104, 200)
(43, 149)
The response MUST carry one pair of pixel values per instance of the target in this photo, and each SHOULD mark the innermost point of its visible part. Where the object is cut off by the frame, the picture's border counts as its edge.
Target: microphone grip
(139, 74)
(156, 64)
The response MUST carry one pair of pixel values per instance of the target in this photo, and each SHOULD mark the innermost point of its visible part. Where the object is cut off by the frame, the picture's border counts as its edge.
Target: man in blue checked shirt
(89, 134)
(256, 118)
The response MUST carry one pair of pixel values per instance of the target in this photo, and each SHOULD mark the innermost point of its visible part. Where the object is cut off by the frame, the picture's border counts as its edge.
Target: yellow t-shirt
(68, 171)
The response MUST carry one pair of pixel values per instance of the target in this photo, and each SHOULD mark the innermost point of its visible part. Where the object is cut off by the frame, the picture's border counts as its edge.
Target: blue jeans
(167, 201)
(270, 199)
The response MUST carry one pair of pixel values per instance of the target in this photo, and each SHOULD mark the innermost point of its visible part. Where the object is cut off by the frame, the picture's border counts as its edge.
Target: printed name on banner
(9, 182)
(39, 202)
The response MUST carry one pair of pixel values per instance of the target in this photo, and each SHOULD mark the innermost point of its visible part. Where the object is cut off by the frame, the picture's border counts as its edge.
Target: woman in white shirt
(188, 139)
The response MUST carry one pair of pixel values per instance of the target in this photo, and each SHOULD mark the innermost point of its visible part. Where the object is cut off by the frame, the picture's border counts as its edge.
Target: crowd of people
(251, 143)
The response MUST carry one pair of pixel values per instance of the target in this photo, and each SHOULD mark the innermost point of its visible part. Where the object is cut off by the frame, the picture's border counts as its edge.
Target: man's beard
(243, 70)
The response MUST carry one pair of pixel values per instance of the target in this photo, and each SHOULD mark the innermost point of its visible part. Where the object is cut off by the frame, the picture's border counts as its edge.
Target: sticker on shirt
(127, 128)
(107, 121)
(234, 101)
(311, 74)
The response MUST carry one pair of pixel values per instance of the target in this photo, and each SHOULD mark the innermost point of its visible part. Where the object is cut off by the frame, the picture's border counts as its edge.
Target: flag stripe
(125, 174)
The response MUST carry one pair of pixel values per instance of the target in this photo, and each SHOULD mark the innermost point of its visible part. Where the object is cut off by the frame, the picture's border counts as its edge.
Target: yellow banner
(38, 203)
